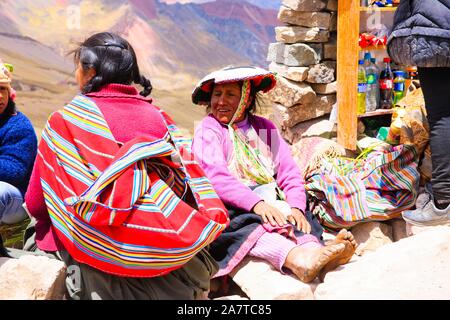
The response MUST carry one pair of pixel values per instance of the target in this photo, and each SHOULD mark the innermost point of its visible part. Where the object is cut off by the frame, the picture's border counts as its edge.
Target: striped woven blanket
(344, 192)
(141, 209)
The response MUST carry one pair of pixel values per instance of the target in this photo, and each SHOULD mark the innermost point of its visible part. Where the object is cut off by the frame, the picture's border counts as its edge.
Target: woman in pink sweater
(106, 67)
(253, 172)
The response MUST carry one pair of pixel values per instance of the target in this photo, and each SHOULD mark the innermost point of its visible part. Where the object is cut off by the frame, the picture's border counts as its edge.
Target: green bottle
(399, 86)
(362, 87)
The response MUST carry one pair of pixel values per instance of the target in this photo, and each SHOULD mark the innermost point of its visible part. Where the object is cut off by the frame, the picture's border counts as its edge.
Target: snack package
(415, 129)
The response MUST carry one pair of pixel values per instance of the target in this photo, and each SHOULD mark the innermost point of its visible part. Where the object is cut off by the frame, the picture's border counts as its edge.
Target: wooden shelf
(386, 9)
(351, 17)
(379, 112)
(373, 48)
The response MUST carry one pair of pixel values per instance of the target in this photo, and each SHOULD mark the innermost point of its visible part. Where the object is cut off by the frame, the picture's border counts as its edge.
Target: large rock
(318, 48)
(32, 278)
(321, 20)
(371, 236)
(294, 134)
(298, 74)
(275, 120)
(324, 129)
(289, 117)
(412, 268)
(324, 103)
(289, 93)
(333, 23)
(260, 281)
(325, 88)
(321, 73)
(276, 52)
(412, 230)
(289, 34)
(332, 5)
(330, 48)
(301, 55)
(305, 5)
(398, 228)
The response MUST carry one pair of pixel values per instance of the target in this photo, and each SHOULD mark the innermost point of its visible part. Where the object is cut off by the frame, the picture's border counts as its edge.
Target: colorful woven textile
(247, 163)
(141, 209)
(344, 192)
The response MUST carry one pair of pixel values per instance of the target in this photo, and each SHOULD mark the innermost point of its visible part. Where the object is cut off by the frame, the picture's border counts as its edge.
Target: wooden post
(347, 71)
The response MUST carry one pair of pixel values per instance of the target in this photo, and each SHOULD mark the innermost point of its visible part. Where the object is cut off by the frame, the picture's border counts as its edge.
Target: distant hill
(176, 44)
(272, 4)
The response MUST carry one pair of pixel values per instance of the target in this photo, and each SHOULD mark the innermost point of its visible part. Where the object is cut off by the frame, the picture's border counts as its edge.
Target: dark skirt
(241, 235)
(190, 282)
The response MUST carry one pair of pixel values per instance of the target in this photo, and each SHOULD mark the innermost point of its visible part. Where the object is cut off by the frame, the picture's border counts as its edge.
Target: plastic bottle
(412, 75)
(377, 72)
(362, 85)
(386, 85)
(399, 86)
(372, 83)
(393, 136)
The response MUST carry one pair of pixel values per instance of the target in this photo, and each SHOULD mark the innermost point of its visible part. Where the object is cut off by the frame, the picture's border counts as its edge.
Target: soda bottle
(372, 83)
(362, 85)
(386, 85)
(399, 86)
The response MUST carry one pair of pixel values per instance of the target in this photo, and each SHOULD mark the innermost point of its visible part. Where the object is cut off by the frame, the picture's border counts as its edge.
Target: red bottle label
(386, 84)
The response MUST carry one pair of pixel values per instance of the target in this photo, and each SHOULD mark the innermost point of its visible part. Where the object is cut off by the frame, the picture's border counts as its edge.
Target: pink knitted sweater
(212, 148)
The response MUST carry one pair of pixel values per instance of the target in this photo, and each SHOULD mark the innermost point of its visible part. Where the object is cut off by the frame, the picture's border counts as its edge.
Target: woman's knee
(11, 200)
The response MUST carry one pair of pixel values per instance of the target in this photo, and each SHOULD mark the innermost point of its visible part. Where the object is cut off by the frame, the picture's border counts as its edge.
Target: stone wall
(304, 57)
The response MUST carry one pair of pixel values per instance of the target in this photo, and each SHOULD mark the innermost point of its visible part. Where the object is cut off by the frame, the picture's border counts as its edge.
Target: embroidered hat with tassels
(247, 160)
(261, 80)
(6, 78)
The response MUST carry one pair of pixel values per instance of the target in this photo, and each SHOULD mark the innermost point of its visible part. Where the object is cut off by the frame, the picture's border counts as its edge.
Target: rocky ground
(394, 261)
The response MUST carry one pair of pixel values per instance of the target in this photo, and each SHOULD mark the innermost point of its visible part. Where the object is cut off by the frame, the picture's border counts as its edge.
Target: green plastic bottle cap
(383, 133)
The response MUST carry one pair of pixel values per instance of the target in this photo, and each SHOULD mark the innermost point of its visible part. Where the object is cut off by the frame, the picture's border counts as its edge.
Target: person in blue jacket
(18, 148)
(421, 37)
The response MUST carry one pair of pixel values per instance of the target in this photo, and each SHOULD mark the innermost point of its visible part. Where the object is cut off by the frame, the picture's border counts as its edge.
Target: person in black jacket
(421, 37)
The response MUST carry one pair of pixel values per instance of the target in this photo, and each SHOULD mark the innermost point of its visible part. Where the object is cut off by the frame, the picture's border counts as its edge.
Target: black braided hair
(114, 61)
(10, 108)
(144, 82)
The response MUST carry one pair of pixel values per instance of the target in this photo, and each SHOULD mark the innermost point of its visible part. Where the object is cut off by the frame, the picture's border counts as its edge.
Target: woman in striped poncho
(252, 170)
(114, 193)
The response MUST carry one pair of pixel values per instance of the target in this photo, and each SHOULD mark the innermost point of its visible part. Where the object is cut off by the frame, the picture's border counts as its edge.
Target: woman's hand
(297, 217)
(270, 214)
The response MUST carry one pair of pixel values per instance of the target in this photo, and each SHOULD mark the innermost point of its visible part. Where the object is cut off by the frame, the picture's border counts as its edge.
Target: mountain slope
(181, 40)
(176, 44)
(269, 4)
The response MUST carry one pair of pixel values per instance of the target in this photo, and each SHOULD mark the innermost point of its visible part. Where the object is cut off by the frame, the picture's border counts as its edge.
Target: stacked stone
(304, 57)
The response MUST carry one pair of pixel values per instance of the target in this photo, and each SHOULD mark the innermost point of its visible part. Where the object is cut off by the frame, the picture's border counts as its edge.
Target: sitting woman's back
(127, 113)
(110, 191)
